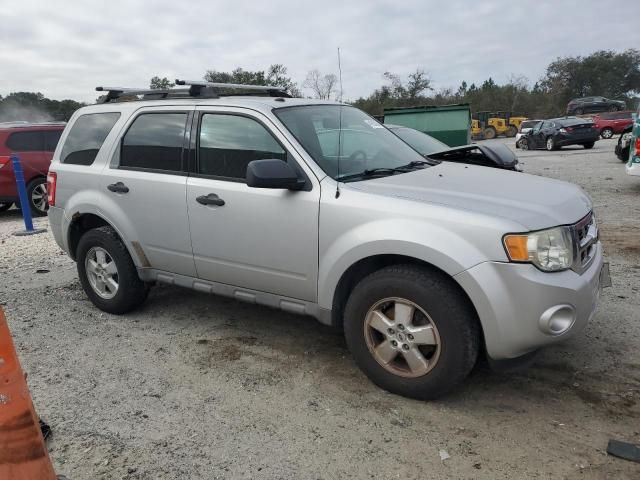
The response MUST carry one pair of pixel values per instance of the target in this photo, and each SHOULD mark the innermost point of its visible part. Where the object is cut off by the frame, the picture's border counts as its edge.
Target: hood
(479, 154)
(533, 202)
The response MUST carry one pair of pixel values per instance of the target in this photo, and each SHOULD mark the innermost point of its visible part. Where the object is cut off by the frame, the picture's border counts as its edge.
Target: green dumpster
(450, 124)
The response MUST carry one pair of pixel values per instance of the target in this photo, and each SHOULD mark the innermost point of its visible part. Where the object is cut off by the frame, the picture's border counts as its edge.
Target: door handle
(118, 187)
(211, 199)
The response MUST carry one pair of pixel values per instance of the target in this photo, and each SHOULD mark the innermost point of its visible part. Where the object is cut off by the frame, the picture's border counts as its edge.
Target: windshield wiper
(382, 171)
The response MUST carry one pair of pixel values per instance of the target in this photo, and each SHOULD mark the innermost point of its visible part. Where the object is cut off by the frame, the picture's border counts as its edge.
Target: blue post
(25, 207)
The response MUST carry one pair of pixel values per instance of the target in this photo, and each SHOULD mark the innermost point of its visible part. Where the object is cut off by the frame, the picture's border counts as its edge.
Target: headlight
(550, 250)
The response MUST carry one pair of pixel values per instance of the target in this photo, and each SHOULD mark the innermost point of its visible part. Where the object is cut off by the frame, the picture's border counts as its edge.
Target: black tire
(5, 206)
(131, 291)
(523, 144)
(606, 133)
(623, 156)
(512, 131)
(579, 111)
(37, 196)
(589, 145)
(613, 108)
(489, 133)
(550, 144)
(450, 312)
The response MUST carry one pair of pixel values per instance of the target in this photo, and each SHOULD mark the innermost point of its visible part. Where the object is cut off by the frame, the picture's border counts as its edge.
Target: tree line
(614, 75)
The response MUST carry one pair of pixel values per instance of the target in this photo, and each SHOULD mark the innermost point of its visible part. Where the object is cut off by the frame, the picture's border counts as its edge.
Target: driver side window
(227, 143)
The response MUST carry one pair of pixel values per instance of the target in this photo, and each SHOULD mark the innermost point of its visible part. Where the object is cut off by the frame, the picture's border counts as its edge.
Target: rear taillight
(638, 147)
(4, 161)
(52, 180)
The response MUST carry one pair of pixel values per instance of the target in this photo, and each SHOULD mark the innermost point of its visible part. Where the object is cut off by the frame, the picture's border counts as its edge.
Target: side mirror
(273, 173)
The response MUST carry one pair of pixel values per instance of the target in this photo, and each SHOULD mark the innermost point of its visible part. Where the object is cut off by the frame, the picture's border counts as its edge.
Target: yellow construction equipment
(488, 125)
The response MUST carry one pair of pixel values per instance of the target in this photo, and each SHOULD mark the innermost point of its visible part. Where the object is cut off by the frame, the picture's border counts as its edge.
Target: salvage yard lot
(195, 386)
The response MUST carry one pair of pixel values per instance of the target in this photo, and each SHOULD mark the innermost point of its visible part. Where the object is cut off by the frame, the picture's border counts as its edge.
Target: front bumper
(512, 299)
(633, 166)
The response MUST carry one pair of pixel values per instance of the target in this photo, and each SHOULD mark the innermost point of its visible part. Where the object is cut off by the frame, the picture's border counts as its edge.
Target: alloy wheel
(39, 197)
(402, 337)
(102, 272)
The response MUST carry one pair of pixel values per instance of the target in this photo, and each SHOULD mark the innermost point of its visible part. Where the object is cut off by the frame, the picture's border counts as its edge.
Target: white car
(525, 127)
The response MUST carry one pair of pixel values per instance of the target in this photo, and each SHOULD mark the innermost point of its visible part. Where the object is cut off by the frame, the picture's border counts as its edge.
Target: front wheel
(107, 272)
(412, 331)
(606, 133)
(589, 145)
(523, 144)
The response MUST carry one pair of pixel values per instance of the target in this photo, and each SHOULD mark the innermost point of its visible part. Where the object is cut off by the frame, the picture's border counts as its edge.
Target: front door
(255, 238)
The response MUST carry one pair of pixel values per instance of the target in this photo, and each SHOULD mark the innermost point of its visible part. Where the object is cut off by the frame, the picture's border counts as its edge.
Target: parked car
(525, 127)
(579, 106)
(34, 143)
(633, 163)
(624, 144)
(611, 123)
(424, 265)
(561, 132)
(497, 156)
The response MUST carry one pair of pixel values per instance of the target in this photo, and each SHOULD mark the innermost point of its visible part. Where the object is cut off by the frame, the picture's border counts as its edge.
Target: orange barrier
(23, 454)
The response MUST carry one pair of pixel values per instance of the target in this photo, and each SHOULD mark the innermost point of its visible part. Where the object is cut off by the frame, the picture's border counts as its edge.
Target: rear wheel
(490, 133)
(613, 108)
(37, 195)
(412, 331)
(579, 111)
(512, 131)
(107, 272)
(606, 133)
(5, 206)
(588, 145)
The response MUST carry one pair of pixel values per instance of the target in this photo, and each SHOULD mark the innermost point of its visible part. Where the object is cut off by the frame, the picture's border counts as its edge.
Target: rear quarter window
(86, 137)
(32, 141)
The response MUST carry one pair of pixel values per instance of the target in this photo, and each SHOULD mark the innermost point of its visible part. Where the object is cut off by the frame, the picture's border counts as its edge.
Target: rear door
(257, 238)
(147, 179)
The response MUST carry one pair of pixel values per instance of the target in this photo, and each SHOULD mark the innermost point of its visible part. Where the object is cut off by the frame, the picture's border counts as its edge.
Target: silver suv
(315, 208)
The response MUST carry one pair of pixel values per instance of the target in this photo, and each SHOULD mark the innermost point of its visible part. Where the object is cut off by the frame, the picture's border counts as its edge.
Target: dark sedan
(496, 156)
(579, 106)
(560, 132)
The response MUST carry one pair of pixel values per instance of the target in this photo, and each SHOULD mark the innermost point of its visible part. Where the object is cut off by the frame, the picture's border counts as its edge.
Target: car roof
(29, 125)
(263, 104)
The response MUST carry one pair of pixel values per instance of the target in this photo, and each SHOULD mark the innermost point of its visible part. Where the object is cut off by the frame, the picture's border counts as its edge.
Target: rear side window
(86, 137)
(229, 142)
(32, 141)
(154, 142)
(51, 138)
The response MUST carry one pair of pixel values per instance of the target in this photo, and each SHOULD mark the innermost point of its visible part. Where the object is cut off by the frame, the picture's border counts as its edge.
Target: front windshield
(364, 143)
(423, 143)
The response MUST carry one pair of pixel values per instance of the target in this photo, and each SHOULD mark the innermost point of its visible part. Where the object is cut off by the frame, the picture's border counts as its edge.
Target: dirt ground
(198, 387)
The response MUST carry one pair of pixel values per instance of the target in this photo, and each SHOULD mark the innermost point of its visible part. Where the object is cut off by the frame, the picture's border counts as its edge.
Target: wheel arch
(81, 223)
(368, 265)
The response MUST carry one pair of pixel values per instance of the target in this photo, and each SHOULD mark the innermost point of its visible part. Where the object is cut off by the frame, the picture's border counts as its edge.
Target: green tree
(276, 76)
(157, 83)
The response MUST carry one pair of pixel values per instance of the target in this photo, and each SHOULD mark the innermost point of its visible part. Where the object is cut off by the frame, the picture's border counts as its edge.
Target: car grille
(585, 236)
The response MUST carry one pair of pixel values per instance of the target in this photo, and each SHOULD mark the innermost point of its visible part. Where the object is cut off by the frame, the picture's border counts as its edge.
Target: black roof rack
(193, 89)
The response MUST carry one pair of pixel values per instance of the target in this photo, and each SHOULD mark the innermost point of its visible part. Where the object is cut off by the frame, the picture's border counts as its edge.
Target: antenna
(339, 127)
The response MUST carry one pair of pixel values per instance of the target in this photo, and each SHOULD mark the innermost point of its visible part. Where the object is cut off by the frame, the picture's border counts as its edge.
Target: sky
(66, 48)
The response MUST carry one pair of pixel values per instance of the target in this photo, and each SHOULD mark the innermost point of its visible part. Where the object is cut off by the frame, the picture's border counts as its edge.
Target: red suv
(611, 123)
(34, 143)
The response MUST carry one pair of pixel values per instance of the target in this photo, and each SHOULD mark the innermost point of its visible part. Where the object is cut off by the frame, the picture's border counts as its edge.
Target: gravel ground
(193, 386)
